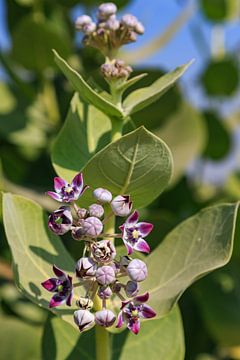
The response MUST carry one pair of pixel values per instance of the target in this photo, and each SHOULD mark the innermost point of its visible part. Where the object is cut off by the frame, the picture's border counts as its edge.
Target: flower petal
(59, 183)
(144, 228)
(55, 196)
(58, 272)
(50, 284)
(132, 219)
(57, 300)
(147, 312)
(78, 181)
(134, 326)
(69, 299)
(120, 320)
(142, 298)
(129, 247)
(142, 245)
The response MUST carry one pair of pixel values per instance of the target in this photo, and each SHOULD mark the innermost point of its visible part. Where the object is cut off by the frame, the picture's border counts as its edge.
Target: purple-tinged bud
(84, 303)
(82, 213)
(121, 205)
(105, 318)
(60, 221)
(86, 268)
(139, 28)
(88, 29)
(83, 319)
(106, 10)
(92, 226)
(103, 251)
(104, 292)
(77, 233)
(129, 21)
(81, 21)
(116, 287)
(125, 261)
(137, 270)
(105, 275)
(112, 23)
(132, 288)
(102, 195)
(96, 210)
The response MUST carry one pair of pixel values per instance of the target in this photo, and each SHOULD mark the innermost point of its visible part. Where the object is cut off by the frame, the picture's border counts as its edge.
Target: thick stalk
(103, 348)
(117, 126)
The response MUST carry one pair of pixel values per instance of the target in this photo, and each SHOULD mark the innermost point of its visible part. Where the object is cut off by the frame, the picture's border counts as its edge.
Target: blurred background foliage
(199, 119)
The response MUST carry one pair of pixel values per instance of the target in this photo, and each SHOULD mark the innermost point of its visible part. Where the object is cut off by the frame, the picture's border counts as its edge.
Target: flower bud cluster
(109, 33)
(100, 270)
(116, 69)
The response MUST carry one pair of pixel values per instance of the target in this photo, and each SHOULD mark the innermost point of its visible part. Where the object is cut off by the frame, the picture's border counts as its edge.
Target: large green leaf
(85, 91)
(184, 132)
(139, 164)
(18, 340)
(85, 130)
(197, 246)
(35, 249)
(141, 98)
(159, 339)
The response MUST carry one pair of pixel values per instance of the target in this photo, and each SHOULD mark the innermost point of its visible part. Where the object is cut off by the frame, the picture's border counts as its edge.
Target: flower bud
(137, 270)
(60, 221)
(105, 275)
(129, 21)
(86, 268)
(83, 319)
(116, 287)
(96, 210)
(105, 318)
(104, 292)
(102, 195)
(77, 232)
(84, 303)
(82, 213)
(121, 205)
(112, 24)
(82, 21)
(92, 226)
(132, 288)
(88, 29)
(103, 251)
(139, 28)
(124, 261)
(105, 10)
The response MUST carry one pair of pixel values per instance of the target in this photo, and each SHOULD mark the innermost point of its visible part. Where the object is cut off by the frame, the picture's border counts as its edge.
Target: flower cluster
(100, 269)
(109, 33)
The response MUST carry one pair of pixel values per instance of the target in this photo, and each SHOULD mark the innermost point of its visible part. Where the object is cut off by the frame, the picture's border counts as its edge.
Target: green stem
(117, 126)
(103, 351)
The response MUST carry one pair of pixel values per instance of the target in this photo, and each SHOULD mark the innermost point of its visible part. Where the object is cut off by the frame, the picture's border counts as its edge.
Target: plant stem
(103, 351)
(117, 126)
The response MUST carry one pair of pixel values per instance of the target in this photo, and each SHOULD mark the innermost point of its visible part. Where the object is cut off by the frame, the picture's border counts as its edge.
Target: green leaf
(139, 164)
(158, 339)
(184, 132)
(85, 131)
(133, 81)
(141, 98)
(197, 246)
(18, 340)
(85, 91)
(61, 341)
(34, 249)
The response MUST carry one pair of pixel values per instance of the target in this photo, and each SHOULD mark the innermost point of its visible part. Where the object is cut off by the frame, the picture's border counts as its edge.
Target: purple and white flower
(105, 275)
(84, 319)
(137, 270)
(103, 251)
(102, 195)
(62, 286)
(105, 318)
(121, 205)
(133, 234)
(106, 10)
(85, 268)
(104, 292)
(65, 192)
(60, 221)
(96, 210)
(134, 310)
(92, 226)
(132, 288)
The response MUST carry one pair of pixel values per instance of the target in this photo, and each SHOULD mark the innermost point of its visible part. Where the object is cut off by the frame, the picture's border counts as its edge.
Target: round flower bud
(139, 28)
(84, 303)
(132, 288)
(77, 232)
(104, 292)
(105, 318)
(130, 21)
(92, 226)
(96, 210)
(103, 251)
(105, 10)
(60, 221)
(88, 29)
(137, 270)
(86, 268)
(102, 195)
(83, 319)
(121, 205)
(124, 261)
(82, 213)
(112, 24)
(116, 287)
(105, 275)
(82, 21)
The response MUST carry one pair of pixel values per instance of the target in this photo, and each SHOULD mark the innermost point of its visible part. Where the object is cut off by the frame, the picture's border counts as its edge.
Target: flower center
(58, 220)
(68, 189)
(135, 313)
(60, 288)
(135, 234)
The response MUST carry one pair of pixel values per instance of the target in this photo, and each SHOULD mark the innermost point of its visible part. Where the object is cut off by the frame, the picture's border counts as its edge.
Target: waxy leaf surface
(139, 164)
(85, 91)
(35, 249)
(197, 246)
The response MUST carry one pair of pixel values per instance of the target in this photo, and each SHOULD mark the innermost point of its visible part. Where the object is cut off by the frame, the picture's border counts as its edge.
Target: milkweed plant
(117, 282)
